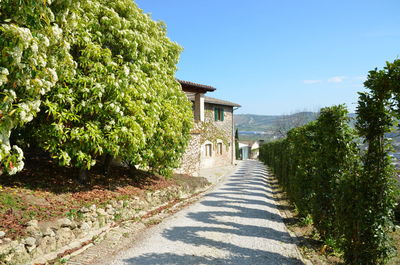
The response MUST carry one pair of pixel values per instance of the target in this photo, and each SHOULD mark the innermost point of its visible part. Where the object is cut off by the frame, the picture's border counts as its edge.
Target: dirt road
(236, 223)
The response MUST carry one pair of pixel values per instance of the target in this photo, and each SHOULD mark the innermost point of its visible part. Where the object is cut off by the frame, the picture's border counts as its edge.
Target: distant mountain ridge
(265, 123)
(269, 127)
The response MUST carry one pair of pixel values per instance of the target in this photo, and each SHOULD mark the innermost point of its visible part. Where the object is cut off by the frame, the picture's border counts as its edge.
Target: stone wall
(209, 132)
(45, 241)
(219, 132)
(191, 158)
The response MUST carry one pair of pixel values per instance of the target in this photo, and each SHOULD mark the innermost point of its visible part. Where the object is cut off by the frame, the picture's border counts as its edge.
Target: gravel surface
(236, 223)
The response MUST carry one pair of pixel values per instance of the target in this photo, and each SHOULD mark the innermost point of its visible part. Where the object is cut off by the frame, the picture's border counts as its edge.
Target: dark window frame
(219, 114)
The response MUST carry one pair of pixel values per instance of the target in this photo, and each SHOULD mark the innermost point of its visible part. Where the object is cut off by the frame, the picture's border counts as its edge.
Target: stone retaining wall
(47, 240)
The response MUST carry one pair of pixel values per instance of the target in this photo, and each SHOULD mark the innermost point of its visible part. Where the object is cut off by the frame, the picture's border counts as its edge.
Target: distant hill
(251, 122)
(266, 123)
(268, 127)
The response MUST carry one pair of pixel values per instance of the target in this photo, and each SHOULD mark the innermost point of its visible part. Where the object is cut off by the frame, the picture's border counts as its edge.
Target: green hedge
(348, 193)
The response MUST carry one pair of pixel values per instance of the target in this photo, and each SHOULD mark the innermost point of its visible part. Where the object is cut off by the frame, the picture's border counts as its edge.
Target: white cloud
(336, 79)
(308, 82)
(362, 78)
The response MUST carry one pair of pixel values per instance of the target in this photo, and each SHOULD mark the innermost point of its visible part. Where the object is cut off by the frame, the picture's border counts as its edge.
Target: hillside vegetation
(270, 127)
(252, 122)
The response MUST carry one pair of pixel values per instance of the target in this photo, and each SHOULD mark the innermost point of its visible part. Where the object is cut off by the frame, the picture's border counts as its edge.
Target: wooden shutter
(215, 113)
(222, 114)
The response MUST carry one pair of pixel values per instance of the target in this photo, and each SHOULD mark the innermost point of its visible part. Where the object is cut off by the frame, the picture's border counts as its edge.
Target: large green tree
(122, 98)
(33, 57)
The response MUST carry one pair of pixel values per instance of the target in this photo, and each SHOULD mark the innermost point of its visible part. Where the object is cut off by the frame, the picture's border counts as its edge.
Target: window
(208, 150)
(219, 114)
(219, 148)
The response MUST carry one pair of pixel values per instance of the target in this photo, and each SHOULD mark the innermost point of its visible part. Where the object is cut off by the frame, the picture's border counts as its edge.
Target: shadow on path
(242, 209)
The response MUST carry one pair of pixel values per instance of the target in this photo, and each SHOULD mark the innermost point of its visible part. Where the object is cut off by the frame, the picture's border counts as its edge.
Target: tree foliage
(33, 56)
(368, 240)
(108, 84)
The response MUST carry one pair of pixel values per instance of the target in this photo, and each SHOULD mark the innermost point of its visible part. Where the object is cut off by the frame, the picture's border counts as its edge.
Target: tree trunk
(107, 163)
(83, 176)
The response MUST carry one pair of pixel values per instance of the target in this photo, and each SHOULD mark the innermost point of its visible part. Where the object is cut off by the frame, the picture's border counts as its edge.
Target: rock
(114, 204)
(49, 232)
(47, 244)
(110, 211)
(20, 255)
(87, 216)
(37, 252)
(85, 226)
(95, 225)
(64, 236)
(65, 222)
(78, 233)
(101, 211)
(30, 241)
(73, 225)
(32, 223)
(102, 221)
(30, 244)
(109, 206)
(7, 240)
(34, 231)
(2, 234)
(8, 246)
(30, 248)
(84, 210)
(93, 208)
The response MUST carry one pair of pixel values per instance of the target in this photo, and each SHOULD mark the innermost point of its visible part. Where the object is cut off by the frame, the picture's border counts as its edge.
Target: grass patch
(152, 222)
(9, 201)
(74, 214)
(117, 217)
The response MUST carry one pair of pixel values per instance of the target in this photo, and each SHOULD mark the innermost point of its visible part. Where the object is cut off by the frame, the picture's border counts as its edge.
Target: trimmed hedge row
(328, 177)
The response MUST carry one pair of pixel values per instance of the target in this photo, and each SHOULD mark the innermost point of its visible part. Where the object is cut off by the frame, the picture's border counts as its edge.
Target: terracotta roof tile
(194, 87)
(215, 101)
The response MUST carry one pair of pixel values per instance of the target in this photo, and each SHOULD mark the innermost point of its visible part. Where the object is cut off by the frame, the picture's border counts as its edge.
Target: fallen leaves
(44, 191)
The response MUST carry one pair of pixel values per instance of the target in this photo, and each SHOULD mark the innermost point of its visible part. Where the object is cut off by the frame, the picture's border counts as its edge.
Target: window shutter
(222, 114)
(216, 113)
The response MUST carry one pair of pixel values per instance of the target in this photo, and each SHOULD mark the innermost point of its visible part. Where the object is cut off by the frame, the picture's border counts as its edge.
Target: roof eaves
(220, 102)
(195, 87)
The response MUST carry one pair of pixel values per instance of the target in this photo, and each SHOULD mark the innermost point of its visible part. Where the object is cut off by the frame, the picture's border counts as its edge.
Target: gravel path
(236, 223)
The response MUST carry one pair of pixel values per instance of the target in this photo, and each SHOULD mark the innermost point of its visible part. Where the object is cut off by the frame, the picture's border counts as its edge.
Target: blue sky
(280, 57)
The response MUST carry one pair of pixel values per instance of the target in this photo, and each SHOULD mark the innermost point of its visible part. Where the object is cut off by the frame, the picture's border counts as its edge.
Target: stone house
(212, 141)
